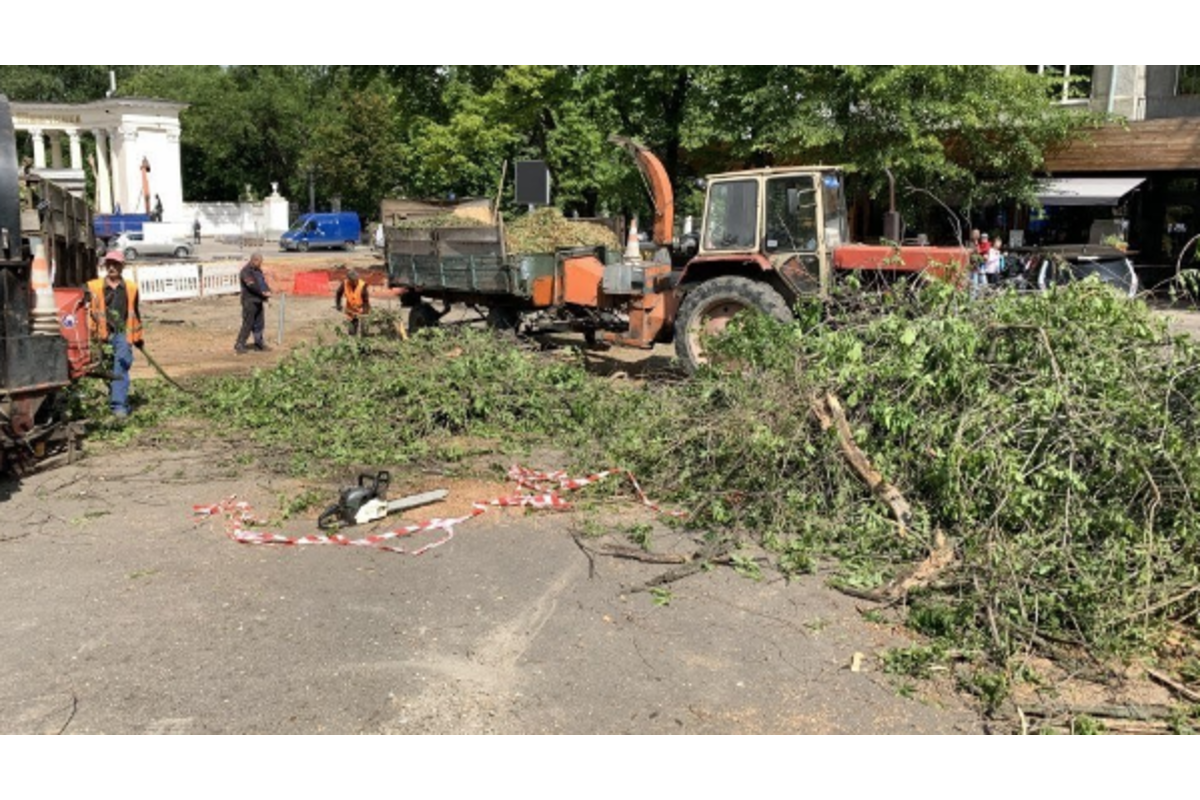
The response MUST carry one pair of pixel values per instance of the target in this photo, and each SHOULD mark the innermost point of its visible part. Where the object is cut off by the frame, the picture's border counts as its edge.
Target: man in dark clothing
(255, 294)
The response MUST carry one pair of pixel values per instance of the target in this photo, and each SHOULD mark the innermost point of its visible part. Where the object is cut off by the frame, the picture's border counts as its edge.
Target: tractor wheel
(708, 309)
(422, 315)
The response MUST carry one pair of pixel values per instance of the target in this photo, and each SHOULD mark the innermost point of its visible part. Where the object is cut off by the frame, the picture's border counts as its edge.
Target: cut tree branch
(1174, 686)
(829, 414)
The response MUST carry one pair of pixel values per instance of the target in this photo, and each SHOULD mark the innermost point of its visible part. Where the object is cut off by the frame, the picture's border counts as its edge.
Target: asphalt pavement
(120, 614)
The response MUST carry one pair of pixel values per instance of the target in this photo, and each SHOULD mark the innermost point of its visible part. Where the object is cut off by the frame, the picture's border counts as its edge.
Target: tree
(972, 134)
(75, 83)
(356, 150)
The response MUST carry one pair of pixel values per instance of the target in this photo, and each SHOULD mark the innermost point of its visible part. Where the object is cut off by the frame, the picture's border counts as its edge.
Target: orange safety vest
(353, 293)
(98, 314)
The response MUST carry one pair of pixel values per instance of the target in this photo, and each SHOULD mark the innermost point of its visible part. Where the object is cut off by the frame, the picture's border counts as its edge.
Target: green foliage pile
(1050, 438)
(440, 221)
(546, 230)
(380, 401)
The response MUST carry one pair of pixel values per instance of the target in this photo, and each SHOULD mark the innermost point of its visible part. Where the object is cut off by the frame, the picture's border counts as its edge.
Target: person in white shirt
(993, 262)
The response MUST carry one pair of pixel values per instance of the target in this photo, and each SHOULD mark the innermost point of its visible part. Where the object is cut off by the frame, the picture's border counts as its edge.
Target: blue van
(314, 231)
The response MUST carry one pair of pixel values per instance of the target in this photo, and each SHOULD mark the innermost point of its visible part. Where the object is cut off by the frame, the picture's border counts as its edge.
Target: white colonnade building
(126, 131)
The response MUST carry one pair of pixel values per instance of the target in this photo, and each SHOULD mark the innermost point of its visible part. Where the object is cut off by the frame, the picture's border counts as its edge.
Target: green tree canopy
(967, 134)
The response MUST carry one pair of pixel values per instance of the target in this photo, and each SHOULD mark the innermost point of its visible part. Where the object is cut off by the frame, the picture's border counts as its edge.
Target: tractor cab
(791, 217)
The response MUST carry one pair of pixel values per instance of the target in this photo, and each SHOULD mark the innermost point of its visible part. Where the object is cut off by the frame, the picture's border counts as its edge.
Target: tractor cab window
(791, 218)
(837, 224)
(732, 215)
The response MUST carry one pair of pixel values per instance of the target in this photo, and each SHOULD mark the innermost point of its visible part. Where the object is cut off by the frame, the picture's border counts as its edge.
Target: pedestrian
(357, 300)
(993, 262)
(196, 231)
(984, 245)
(255, 294)
(158, 209)
(114, 319)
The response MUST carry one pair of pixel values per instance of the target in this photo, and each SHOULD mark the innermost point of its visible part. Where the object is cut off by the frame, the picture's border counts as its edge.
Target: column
(76, 150)
(125, 181)
(39, 148)
(104, 203)
(56, 149)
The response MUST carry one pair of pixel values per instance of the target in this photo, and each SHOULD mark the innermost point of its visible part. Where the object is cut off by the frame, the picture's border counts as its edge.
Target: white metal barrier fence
(219, 279)
(168, 281)
(183, 281)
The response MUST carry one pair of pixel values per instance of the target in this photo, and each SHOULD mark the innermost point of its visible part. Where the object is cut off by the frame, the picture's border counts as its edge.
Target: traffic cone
(45, 313)
(632, 251)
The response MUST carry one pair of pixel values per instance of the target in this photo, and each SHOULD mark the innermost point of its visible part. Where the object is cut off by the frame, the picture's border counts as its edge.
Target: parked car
(1043, 268)
(135, 246)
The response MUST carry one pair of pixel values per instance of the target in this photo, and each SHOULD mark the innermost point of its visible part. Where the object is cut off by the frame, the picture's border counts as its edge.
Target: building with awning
(1087, 191)
(1141, 175)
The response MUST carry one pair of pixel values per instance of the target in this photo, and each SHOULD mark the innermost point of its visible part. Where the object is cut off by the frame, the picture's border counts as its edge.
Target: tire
(504, 320)
(302, 247)
(348, 246)
(709, 307)
(130, 254)
(182, 252)
(422, 315)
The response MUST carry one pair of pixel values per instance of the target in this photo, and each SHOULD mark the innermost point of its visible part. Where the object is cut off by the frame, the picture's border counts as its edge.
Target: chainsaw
(367, 502)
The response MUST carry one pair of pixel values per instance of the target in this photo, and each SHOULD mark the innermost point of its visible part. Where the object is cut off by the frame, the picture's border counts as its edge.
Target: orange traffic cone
(632, 251)
(45, 313)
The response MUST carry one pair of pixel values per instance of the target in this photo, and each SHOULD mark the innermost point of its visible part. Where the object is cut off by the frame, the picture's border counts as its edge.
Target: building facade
(132, 144)
(1141, 175)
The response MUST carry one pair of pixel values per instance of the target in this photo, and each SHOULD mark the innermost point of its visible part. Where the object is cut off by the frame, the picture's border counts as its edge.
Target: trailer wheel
(708, 309)
(504, 320)
(422, 315)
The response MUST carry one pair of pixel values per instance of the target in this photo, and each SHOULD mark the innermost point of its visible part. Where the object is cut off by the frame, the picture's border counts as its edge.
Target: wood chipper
(767, 237)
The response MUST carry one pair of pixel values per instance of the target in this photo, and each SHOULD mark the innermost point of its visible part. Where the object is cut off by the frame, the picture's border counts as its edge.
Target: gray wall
(1161, 101)
(1127, 90)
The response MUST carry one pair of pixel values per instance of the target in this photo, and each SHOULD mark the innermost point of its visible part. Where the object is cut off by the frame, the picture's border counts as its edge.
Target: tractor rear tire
(707, 309)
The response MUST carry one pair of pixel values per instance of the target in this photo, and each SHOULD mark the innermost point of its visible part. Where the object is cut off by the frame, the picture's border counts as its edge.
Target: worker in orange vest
(114, 318)
(353, 290)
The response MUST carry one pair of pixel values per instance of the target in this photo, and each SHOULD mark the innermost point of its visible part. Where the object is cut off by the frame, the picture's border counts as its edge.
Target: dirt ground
(196, 337)
(120, 612)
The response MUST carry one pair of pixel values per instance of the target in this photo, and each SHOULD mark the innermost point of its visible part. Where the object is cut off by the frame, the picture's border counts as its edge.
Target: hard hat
(115, 256)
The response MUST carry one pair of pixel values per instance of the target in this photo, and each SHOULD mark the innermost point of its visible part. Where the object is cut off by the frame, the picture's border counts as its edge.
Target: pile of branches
(1049, 439)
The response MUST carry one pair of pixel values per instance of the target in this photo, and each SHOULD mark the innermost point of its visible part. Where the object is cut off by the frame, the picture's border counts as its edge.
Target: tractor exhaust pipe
(893, 226)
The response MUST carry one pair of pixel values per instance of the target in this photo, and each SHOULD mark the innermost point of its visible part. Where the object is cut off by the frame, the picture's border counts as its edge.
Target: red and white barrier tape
(239, 515)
